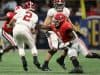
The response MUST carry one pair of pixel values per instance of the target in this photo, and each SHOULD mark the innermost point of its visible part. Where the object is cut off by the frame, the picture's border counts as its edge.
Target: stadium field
(11, 65)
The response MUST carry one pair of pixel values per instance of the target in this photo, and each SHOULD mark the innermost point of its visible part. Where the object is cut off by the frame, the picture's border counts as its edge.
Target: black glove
(70, 44)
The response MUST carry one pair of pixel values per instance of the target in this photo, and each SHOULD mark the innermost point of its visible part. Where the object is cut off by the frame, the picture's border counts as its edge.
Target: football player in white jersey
(25, 21)
(59, 6)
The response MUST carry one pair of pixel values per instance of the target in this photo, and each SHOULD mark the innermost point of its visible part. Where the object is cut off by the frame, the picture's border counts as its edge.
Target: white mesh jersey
(53, 11)
(26, 18)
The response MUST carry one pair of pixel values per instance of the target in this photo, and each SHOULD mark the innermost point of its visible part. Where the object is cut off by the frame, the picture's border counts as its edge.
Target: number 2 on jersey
(28, 16)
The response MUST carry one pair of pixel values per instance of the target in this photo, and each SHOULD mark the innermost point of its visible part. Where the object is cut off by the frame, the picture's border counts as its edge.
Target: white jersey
(52, 12)
(26, 18)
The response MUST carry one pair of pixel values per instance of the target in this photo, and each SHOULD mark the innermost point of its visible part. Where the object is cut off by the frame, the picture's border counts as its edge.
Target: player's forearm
(47, 21)
(11, 23)
(46, 27)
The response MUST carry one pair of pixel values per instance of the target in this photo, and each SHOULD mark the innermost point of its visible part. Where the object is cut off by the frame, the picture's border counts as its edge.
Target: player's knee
(72, 53)
(54, 47)
(73, 58)
(21, 52)
(1, 50)
(34, 51)
(52, 52)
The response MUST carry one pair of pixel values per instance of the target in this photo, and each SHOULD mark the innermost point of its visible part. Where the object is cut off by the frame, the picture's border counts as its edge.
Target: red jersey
(62, 31)
(9, 17)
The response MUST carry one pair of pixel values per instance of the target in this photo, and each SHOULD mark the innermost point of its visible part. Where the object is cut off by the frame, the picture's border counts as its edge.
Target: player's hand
(33, 31)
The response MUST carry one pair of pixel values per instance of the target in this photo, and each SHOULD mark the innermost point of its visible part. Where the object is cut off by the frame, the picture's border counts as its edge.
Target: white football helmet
(59, 4)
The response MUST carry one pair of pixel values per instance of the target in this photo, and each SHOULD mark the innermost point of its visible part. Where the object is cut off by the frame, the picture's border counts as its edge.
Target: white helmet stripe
(30, 4)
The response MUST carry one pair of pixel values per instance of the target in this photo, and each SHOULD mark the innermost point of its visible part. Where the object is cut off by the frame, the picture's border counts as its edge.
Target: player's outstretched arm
(45, 27)
(12, 22)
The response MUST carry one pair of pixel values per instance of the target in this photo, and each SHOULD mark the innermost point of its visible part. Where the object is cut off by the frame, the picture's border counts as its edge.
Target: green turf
(11, 65)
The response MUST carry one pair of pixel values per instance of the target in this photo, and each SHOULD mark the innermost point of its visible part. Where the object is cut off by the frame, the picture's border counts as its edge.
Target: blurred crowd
(7, 5)
(92, 6)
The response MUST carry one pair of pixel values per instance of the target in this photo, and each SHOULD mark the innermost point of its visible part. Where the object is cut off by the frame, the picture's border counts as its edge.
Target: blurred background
(85, 14)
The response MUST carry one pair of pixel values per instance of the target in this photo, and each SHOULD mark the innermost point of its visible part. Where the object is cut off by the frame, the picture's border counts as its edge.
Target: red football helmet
(59, 18)
(59, 4)
(10, 15)
(29, 5)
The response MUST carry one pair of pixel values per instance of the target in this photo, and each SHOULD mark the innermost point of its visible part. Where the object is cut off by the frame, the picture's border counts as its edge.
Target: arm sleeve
(67, 12)
(50, 12)
(35, 21)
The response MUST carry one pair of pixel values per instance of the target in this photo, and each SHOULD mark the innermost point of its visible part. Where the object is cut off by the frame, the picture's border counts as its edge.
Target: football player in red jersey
(64, 30)
(59, 6)
(66, 34)
(7, 33)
